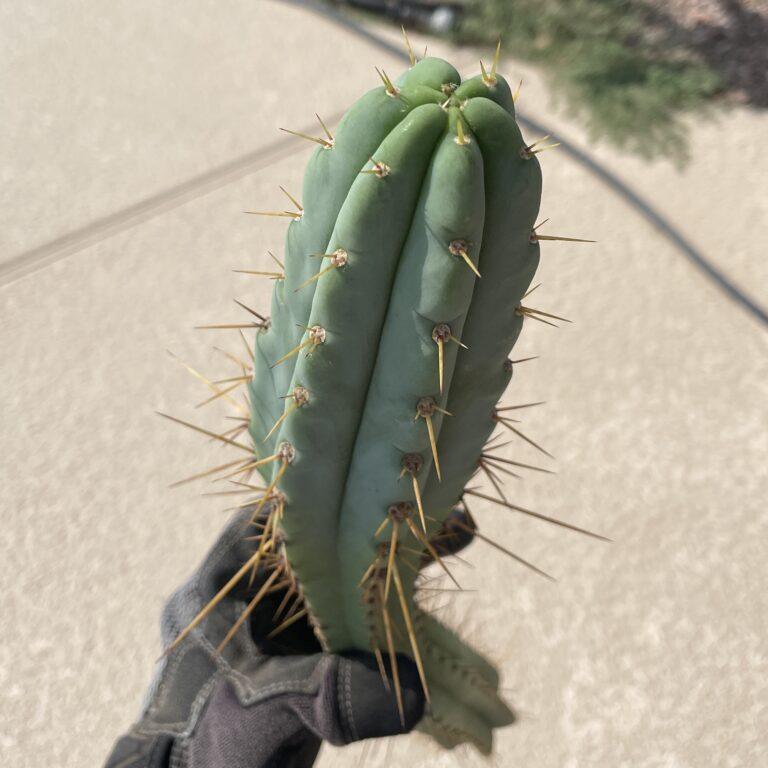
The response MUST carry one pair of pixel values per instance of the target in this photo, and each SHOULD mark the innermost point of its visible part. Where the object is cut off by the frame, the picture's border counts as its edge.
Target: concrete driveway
(132, 140)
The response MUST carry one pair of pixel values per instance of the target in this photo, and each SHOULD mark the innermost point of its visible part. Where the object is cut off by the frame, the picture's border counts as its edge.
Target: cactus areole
(384, 357)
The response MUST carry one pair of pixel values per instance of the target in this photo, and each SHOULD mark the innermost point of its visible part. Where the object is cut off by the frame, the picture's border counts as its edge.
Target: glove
(261, 702)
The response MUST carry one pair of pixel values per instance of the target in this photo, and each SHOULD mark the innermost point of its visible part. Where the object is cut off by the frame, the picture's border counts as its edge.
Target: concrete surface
(648, 652)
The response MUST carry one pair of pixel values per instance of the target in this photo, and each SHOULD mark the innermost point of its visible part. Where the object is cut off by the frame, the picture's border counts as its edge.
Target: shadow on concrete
(732, 38)
(202, 184)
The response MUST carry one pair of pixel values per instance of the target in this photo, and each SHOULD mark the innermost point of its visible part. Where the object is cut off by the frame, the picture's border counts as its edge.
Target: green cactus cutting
(376, 379)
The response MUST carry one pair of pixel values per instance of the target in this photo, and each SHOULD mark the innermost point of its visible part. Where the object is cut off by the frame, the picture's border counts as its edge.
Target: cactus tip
(425, 409)
(331, 140)
(280, 214)
(315, 335)
(300, 397)
(460, 248)
(462, 139)
(249, 608)
(260, 273)
(483, 72)
(207, 432)
(440, 334)
(386, 620)
(380, 170)
(288, 622)
(276, 260)
(500, 548)
(322, 142)
(411, 55)
(489, 78)
(292, 199)
(496, 56)
(506, 422)
(538, 314)
(527, 151)
(535, 236)
(338, 260)
(389, 86)
(256, 314)
(411, 632)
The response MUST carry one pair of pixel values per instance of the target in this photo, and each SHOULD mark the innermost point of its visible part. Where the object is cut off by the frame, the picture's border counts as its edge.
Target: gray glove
(260, 703)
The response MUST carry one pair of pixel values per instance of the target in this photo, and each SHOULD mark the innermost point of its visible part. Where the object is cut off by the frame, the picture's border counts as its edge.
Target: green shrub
(617, 65)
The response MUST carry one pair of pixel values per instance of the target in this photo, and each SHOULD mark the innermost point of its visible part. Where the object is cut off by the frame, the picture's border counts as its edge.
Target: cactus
(377, 376)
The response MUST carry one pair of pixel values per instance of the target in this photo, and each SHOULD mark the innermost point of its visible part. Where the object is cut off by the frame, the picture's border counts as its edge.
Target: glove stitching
(217, 658)
(441, 723)
(166, 683)
(251, 696)
(155, 751)
(198, 705)
(167, 675)
(191, 722)
(183, 727)
(454, 663)
(348, 697)
(180, 749)
(178, 754)
(345, 730)
(190, 599)
(127, 763)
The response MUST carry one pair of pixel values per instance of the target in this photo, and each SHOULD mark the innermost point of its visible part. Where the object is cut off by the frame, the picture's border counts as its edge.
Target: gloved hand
(261, 702)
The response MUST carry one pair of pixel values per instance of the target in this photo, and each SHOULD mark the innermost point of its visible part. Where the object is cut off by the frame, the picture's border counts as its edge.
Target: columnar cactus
(376, 378)
(423, 205)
